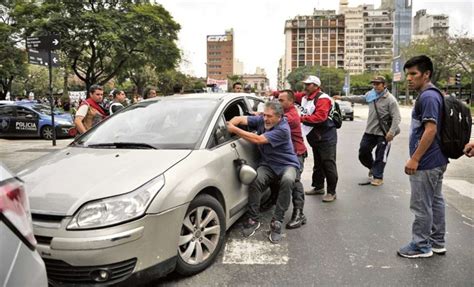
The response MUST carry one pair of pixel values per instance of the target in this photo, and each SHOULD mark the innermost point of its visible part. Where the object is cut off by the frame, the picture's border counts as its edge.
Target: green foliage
(449, 56)
(103, 38)
(332, 79)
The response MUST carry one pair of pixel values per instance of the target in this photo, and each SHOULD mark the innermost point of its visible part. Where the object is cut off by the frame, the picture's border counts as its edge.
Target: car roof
(210, 96)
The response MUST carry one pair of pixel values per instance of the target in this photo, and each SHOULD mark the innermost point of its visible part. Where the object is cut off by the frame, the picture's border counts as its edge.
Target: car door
(227, 148)
(7, 116)
(26, 122)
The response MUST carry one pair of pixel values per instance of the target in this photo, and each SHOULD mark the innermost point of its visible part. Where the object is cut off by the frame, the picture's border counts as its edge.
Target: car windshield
(344, 104)
(44, 109)
(168, 123)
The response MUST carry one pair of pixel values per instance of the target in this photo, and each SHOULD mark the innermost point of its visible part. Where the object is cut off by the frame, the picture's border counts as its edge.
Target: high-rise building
(238, 67)
(315, 40)
(354, 50)
(378, 39)
(430, 25)
(220, 55)
(402, 27)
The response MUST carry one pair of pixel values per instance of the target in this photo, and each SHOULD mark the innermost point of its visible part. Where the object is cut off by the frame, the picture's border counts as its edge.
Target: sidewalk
(14, 154)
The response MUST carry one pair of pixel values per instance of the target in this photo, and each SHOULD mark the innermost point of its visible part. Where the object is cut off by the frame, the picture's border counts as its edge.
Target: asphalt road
(350, 242)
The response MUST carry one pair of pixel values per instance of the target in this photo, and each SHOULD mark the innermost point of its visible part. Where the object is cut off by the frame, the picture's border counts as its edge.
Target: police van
(32, 119)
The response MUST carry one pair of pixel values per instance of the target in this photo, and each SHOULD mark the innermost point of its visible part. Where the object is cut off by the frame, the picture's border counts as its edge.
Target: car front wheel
(47, 132)
(202, 235)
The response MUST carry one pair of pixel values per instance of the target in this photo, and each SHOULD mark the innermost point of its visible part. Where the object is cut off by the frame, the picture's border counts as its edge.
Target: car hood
(61, 182)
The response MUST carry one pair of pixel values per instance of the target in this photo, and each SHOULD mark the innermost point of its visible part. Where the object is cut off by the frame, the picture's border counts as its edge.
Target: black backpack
(335, 115)
(456, 122)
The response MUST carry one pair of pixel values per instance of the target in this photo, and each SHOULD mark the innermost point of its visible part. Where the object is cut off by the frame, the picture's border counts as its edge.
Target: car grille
(45, 240)
(47, 218)
(61, 272)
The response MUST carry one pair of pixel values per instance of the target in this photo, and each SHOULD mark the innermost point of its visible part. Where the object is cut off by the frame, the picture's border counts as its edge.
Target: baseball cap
(378, 79)
(312, 80)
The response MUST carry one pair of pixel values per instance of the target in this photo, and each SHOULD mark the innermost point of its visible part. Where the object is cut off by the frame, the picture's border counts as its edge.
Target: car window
(6, 112)
(256, 104)
(174, 123)
(220, 134)
(236, 109)
(23, 112)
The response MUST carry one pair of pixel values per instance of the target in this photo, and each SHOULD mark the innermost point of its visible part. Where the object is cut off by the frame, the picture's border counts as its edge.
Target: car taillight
(15, 211)
(72, 132)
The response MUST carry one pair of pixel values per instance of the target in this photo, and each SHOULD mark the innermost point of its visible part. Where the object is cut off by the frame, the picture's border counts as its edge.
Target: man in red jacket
(321, 134)
(287, 101)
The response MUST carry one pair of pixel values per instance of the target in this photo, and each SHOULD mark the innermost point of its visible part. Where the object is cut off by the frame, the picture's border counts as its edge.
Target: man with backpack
(382, 126)
(321, 134)
(427, 163)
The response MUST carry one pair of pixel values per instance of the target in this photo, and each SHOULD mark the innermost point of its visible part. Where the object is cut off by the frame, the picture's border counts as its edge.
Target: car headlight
(117, 209)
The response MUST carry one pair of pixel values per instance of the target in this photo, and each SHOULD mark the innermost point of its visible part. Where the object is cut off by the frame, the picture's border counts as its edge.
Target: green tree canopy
(100, 38)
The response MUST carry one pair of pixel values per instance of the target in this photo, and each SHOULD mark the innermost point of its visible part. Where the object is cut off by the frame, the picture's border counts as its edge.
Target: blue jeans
(367, 144)
(265, 176)
(427, 204)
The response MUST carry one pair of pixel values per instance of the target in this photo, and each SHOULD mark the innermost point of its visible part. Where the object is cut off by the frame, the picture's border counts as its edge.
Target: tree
(332, 79)
(449, 55)
(12, 59)
(99, 38)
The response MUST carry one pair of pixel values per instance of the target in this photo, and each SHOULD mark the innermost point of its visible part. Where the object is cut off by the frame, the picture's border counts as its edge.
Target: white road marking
(462, 186)
(467, 224)
(251, 252)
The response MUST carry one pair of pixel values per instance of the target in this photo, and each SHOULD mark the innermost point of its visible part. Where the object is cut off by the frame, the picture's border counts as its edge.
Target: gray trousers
(427, 204)
(265, 176)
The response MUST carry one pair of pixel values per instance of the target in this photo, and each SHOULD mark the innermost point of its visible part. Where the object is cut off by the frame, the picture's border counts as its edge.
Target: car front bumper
(77, 256)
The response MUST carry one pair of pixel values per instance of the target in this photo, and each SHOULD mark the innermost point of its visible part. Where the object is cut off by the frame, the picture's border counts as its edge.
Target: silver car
(21, 264)
(150, 190)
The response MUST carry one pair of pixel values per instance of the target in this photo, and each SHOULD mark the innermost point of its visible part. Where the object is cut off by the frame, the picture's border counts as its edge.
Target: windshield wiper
(131, 145)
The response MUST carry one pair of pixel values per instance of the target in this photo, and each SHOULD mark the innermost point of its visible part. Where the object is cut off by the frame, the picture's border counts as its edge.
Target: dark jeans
(325, 167)
(265, 176)
(367, 144)
(297, 195)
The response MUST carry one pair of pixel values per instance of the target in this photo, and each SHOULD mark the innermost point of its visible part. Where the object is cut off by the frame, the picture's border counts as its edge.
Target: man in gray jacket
(380, 129)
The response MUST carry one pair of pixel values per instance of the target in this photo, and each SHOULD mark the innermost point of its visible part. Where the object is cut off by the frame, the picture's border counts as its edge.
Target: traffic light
(458, 79)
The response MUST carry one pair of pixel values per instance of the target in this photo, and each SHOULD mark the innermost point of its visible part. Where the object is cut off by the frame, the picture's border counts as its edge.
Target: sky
(259, 26)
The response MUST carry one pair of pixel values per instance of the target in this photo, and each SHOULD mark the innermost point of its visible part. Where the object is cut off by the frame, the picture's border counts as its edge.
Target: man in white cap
(321, 134)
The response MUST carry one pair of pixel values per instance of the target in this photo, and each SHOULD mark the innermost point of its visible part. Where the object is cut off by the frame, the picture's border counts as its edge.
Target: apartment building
(378, 39)
(430, 25)
(220, 55)
(315, 40)
(354, 41)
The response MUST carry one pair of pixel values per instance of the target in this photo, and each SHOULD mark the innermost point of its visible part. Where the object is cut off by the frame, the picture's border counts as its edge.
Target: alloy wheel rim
(48, 133)
(199, 235)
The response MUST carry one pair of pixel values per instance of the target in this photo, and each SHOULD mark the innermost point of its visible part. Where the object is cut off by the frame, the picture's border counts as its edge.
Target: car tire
(199, 247)
(47, 132)
(352, 118)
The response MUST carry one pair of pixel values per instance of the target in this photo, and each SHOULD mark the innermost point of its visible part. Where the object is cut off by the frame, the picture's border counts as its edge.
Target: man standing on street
(278, 162)
(90, 112)
(320, 131)
(382, 126)
(287, 101)
(427, 163)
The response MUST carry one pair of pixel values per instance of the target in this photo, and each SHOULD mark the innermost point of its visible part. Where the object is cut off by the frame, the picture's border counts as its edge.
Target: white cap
(312, 80)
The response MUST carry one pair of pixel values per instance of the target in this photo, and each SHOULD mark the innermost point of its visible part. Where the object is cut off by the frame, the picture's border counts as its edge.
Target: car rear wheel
(202, 235)
(47, 132)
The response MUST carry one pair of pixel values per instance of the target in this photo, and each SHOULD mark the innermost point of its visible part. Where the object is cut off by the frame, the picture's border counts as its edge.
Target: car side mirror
(245, 172)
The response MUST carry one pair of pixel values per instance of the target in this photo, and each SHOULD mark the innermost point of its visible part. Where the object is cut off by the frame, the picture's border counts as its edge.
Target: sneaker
(250, 227)
(412, 251)
(297, 219)
(315, 191)
(275, 231)
(371, 175)
(377, 182)
(440, 250)
(329, 197)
